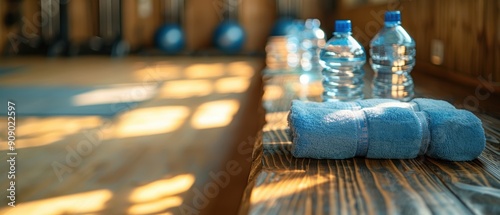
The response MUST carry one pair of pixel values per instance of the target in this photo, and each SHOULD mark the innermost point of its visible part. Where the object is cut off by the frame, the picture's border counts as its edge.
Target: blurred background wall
(200, 19)
(457, 40)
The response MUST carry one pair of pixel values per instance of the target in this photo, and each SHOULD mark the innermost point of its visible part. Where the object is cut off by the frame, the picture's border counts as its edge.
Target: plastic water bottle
(293, 39)
(313, 39)
(283, 47)
(342, 59)
(392, 53)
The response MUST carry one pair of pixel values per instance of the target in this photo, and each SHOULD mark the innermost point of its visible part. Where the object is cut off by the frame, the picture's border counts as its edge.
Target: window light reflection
(115, 94)
(91, 202)
(156, 206)
(215, 114)
(204, 70)
(232, 85)
(159, 72)
(398, 89)
(294, 185)
(159, 195)
(162, 188)
(240, 69)
(185, 89)
(151, 121)
(398, 92)
(38, 131)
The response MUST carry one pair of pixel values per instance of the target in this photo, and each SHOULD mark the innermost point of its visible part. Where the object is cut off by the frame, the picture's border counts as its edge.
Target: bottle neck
(392, 24)
(342, 34)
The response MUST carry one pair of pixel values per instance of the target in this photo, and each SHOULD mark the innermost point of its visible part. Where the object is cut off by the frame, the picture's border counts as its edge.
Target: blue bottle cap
(343, 26)
(393, 16)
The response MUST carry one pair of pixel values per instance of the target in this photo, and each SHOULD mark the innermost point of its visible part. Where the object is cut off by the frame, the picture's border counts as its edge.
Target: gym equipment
(170, 36)
(55, 30)
(229, 36)
(108, 29)
(13, 13)
(53, 39)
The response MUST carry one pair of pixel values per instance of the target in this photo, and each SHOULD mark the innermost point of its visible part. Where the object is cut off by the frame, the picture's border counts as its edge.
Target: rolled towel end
(316, 130)
(456, 135)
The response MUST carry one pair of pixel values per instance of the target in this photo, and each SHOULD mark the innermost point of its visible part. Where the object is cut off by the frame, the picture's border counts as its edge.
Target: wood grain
(282, 184)
(151, 158)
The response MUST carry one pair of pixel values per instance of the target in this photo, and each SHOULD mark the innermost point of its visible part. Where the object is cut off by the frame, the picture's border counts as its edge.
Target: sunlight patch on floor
(240, 68)
(159, 72)
(182, 89)
(204, 70)
(81, 203)
(232, 85)
(39, 131)
(288, 187)
(162, 188)
(215, 114)
(115, 94)
(151, 121)
(159, 195)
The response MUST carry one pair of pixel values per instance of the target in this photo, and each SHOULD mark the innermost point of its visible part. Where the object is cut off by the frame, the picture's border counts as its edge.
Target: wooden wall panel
(469, 31)
(30, 15)
(318, 9)
(489, 31)
(366, 21)
(139, 30)
(413, 20)
(3, 29)
(257, 18)
(80, 21)
(201, 19)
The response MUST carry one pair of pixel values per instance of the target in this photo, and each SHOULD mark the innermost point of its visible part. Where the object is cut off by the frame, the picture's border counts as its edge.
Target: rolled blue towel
(425, 104)
(456, 135)
(355, 105)
(417, 104)
(386, 133)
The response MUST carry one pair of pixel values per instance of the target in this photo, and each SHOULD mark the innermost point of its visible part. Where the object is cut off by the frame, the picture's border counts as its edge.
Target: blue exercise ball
(229, 36)
(285, 26)
(170, 38)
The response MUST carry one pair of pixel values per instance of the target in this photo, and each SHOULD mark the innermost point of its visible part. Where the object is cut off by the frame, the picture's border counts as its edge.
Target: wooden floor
(168, 155)
(282, 184)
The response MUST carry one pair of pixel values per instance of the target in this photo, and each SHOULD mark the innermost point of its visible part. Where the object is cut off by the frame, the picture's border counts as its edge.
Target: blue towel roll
(456, 135)
(417, 104)
(425, 104)
(388, 133)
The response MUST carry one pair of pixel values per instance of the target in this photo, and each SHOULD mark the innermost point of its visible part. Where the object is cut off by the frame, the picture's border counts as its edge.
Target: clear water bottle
(392, 53)
(342, 59)
(283, 47)
(293, 40)
(313, 39)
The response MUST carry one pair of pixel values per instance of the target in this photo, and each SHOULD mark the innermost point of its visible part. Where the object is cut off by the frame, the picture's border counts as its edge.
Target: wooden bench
(282, 184)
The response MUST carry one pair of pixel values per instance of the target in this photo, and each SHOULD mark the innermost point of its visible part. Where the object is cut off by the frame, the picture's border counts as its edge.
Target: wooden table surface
(154, 158)
(282, 184)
